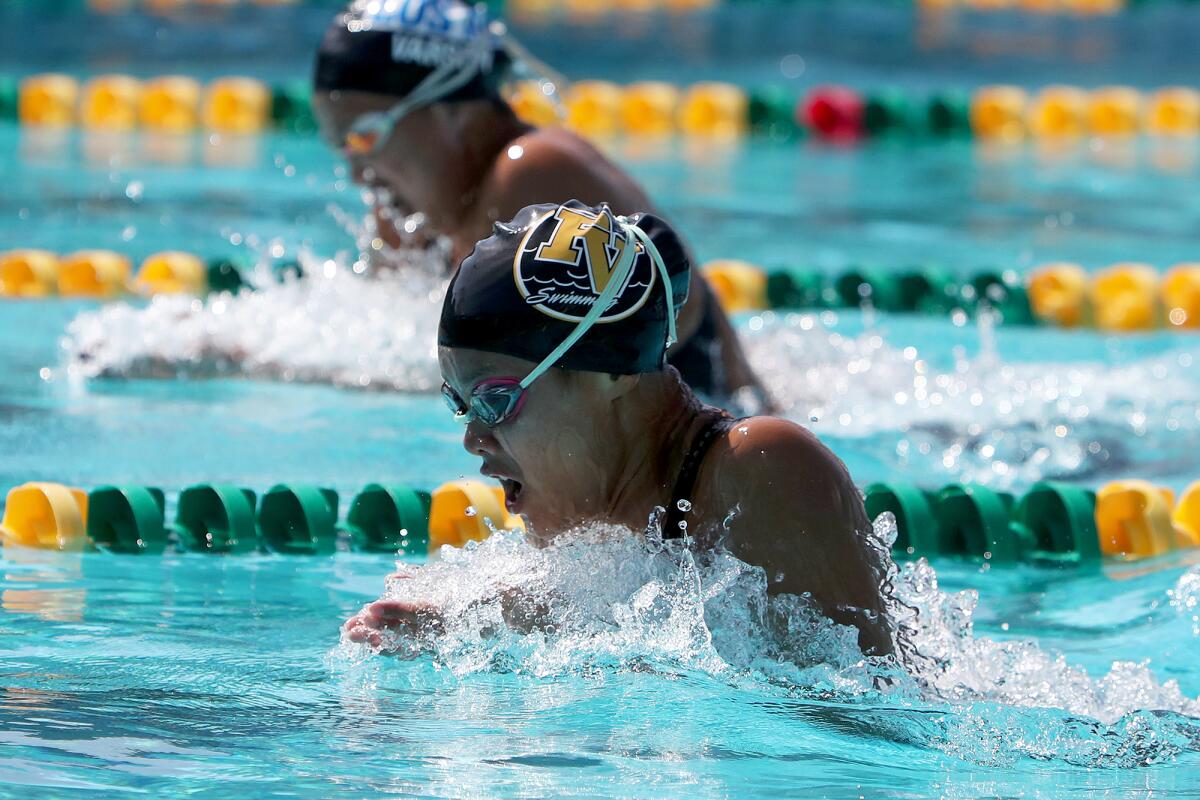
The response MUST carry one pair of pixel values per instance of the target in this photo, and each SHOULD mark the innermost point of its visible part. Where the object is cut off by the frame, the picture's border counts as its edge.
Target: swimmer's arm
(802, 520)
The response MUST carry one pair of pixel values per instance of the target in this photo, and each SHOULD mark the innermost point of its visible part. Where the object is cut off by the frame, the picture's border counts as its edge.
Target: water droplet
(684, 505)
(470, 511)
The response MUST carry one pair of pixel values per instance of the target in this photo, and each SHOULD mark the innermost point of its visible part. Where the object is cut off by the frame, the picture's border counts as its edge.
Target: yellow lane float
(1114, 111)
(93, 273)
(1058, 294)
(172, 273)
(46, 515)
(1134, 518)
(1181, 296)
(1174, 111)
(110, 103)
(594, 108)
(48, 100)
(998, 112)
(648, 108)
(170, 104)
(237, 105)
(738, 285)
(1125, 297)
(28, 273)
(464, 511)
(1187, 517)
(532, 104)
(1058, 112)
(713, 110)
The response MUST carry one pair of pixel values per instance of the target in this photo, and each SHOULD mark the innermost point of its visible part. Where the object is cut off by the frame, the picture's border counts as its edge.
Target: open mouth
(512, 493)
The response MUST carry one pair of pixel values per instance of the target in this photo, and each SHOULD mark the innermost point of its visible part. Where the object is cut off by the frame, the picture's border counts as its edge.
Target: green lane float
(127, 519)
(1061, 523)
(386, 518)
(224, 275)
(1053, 524)
(291, 108)
(887, 112)
(790, 288)
(216, 518)
(916, 525)
(974, 521)
(294, 519)
(948, 115)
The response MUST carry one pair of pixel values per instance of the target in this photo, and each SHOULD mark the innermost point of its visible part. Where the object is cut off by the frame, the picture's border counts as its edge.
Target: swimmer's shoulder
(783, 464)
(553, 166)
(758, 443)
(793, 510)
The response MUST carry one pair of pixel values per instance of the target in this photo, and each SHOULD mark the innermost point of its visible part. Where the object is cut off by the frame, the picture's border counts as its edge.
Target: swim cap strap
(448, 77)
(616, 282)
(661, 266)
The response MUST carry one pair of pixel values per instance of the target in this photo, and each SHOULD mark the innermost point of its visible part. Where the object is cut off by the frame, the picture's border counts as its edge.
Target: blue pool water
(225, 676)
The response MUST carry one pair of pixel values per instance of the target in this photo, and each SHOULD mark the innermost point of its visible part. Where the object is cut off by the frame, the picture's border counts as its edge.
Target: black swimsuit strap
(688, 471)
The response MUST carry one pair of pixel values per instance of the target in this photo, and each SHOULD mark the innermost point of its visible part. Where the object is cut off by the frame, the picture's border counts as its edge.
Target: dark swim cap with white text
(525, 288)
(389, 46)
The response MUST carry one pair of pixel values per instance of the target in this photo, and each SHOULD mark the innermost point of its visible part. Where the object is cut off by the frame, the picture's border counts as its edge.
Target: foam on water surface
(980, 418)
(609, 601)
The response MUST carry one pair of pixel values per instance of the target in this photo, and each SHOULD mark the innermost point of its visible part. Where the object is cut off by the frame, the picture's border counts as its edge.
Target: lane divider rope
(1052, 524)
(715, 110)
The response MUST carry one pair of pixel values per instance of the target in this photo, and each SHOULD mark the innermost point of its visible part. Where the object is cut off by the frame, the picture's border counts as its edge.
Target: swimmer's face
(405, 164)
(552, 457)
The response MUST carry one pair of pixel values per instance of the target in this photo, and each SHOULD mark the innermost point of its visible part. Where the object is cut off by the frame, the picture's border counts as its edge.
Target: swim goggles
(371, 131)
(493, 401)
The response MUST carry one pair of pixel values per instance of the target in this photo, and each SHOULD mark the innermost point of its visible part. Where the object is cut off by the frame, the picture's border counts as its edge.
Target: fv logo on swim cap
(568, 257)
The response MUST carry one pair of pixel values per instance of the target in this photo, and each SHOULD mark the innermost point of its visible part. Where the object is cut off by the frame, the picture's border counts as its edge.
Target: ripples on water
(611, 601)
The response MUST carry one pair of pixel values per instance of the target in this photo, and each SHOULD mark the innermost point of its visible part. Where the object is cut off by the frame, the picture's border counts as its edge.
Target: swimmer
(408, 91)
(560, 375)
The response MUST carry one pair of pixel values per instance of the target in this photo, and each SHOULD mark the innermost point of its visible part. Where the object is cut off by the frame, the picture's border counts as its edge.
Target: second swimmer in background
(409, 92)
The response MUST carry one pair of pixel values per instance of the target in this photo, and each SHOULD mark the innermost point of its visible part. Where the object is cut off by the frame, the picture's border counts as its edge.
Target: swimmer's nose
(478, 440)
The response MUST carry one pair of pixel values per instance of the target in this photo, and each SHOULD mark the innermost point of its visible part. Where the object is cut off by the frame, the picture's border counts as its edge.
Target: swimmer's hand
(383, 624)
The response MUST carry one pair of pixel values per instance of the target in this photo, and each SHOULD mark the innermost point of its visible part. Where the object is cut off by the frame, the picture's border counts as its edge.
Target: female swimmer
(559, 373)
(409, 92)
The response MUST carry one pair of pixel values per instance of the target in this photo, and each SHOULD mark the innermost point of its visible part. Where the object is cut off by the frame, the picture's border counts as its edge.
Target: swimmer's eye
(360, 144)
(455, 403)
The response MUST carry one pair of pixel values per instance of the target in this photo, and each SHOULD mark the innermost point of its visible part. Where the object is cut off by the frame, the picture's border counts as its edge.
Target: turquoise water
(225, 676)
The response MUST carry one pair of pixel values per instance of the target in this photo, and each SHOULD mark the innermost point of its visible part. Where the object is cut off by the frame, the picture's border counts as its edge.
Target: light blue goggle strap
(450, 75)
(633, 235)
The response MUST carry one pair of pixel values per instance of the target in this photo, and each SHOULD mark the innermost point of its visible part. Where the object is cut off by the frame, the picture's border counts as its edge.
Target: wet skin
(596, 447)
(469, 164)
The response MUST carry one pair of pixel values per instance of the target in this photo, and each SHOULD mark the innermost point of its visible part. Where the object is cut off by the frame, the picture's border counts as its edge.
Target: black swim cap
(390, 46)
(524, 289)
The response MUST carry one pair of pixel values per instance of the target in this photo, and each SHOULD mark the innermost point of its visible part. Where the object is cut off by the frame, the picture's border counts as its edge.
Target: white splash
(984, 420)
(1185, 598)
(1002, 424)
(330, 326)
(610, 601)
